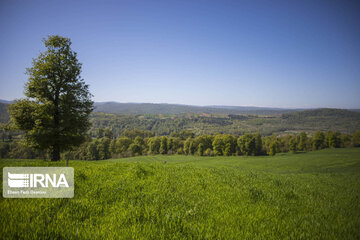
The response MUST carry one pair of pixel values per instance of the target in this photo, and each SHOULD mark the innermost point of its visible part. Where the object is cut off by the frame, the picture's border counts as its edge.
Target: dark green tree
(55, 113)
(192, 147)
(318, 140)
(258, 144)
(206, 140)
(100, 133)
(170, 144)
(140, 142)
(218, 145)
(104, 148)
(230, 145)
(163, 145)
(113, 146)
(292, 145)
(201, 149)
(188, 145)
(92, 150)
(108, 133)
(345, 140)
(122, 144)
(250, 144)
(4, 150)
(135, 149)
(273, 147)
(302, 142)
(355, 139)
(4, 128)
(154, 145)
(333, 139)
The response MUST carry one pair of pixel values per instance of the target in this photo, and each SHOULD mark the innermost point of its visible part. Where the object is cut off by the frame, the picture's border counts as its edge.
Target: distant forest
(339, 120)
(309, 121)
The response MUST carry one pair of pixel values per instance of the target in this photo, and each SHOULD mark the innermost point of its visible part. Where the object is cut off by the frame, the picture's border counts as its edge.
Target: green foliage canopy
(55, 112)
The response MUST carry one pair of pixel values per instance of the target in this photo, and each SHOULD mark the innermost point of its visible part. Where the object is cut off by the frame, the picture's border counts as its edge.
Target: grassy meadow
(314, 195)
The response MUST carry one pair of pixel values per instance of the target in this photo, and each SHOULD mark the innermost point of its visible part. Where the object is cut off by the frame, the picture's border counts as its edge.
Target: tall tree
(55, 112)
(163, 145)
(333, 139)
(273, 147)
(302, 141)
(104, 148)
(122, 144)
(318, 140)
(154, 145)
(356, 139)
(201, 149)
(250, 144)
(258, 144)
(292, 144)
(218, 145)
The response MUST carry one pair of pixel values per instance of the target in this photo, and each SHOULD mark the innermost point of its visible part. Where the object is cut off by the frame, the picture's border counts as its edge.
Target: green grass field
(313, 195)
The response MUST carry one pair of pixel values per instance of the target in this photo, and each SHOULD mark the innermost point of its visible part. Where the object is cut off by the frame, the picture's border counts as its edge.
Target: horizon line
(212, 106)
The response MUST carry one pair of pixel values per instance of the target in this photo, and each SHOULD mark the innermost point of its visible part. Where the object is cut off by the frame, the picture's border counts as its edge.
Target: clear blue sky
(244, 53)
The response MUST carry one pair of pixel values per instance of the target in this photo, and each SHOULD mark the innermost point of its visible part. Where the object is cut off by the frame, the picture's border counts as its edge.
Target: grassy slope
(312, 195)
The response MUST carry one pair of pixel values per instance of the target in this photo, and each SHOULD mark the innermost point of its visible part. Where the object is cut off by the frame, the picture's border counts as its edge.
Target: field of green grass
(313, 195)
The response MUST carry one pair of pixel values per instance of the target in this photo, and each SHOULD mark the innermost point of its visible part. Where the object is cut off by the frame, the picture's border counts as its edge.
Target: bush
(209, 152)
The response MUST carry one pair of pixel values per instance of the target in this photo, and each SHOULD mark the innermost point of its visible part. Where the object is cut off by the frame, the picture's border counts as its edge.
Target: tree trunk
(55, 154)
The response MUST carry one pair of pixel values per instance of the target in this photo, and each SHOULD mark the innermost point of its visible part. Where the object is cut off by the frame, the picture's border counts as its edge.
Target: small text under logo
(33, 182)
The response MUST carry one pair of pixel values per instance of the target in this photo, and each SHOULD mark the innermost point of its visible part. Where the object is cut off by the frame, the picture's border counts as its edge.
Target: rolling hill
(340, 120)
(164, 108)
(164, 119)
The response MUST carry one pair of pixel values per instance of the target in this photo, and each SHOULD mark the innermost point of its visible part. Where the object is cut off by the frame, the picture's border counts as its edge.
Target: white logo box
(38, 182)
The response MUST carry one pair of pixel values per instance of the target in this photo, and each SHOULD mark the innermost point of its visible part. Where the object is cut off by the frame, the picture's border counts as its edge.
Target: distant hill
(162, 108)
(323, 112)
(5, 101)
(164, 119)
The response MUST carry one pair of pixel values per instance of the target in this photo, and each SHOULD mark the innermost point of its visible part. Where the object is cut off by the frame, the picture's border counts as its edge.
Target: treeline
(142, 142)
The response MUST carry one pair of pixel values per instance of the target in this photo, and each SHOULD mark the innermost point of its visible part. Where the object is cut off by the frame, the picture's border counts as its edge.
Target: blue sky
(241, 53)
